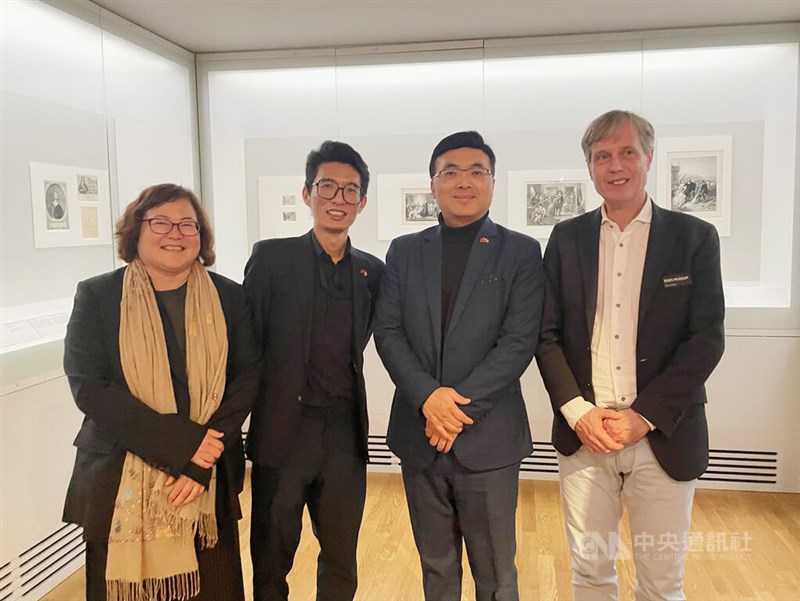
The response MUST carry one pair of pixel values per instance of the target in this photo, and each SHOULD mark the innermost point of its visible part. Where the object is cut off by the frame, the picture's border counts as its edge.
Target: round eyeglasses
(327, 189)
(159, 225)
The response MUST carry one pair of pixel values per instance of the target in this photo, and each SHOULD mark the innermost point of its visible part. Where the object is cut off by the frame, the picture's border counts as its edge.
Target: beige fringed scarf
(151, 552)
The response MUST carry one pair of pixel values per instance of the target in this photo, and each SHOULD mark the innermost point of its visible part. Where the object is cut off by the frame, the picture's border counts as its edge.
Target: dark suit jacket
(680, 337)
(117, 422)
(279, 279)
(490, 341)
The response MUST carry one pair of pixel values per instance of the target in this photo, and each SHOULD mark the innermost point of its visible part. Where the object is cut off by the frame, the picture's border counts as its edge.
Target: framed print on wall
(281, 209)
(70, 206)
(537, 200)
(405, 204)
(694, 177)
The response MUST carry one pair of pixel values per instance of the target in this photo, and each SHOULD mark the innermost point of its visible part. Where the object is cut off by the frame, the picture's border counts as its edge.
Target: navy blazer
(490, 342)
(279, 279)
(117, 422)
(680, 334)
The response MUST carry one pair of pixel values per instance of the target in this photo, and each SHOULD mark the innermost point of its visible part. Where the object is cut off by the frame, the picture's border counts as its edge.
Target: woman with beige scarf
(161, 359)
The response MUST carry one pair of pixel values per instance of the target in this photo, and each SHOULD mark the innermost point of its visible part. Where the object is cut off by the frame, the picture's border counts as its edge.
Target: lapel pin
(363, 272)
(484, 240)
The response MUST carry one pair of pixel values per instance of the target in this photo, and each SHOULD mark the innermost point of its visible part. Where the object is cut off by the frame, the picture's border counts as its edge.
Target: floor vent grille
(43, 565)
(725, 465)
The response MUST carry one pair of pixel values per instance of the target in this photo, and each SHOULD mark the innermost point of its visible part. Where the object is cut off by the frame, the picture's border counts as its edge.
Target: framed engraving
(56, 205)
(405, 204)
(419, 206)
(281, 209)
(540, 199)
(88, 187)
(70, 206)
(90, 226)
(694, 177)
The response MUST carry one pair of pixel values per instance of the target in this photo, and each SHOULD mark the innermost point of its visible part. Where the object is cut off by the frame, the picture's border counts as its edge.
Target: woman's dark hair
(129, 225)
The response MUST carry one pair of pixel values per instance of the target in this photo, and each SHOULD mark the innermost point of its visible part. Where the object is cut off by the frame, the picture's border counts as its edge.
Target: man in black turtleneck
(456, 326)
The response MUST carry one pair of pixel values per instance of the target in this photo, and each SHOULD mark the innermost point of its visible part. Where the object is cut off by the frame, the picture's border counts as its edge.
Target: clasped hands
(444, 419)
(604, 430)
(186, 490)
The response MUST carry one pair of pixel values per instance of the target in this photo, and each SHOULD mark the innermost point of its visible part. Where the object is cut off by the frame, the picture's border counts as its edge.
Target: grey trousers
(450, 507)
(594, 489)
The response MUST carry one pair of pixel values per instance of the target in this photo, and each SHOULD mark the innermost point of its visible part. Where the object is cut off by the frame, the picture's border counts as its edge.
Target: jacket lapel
(588, 257)
(658, 253)
(431, 258)
(482, 247)
(304, 272)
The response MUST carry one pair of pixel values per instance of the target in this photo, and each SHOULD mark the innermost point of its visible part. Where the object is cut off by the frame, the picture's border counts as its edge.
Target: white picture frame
(399, 192)
(282, 212)
(694, 176)
(64, 215)
(537, 200)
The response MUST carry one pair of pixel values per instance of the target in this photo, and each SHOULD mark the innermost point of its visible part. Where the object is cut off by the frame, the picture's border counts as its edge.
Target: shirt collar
(319, 251)
(645, 215)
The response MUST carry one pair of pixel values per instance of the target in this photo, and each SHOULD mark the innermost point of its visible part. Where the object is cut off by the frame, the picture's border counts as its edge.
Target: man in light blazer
(632, 328)
(313, 298)
(456, 326)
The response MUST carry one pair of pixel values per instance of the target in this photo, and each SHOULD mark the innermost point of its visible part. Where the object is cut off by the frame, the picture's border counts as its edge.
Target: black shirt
(172, 306)
(456, 244)
(331, 379)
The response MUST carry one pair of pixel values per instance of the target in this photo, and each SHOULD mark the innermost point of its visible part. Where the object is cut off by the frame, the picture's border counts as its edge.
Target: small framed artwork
(540, 199)
(694, 177)
(419, 206)
(56, 205)
(281, 209)
(70, 206)
(405, 204)
(88, 187)
(90, 227)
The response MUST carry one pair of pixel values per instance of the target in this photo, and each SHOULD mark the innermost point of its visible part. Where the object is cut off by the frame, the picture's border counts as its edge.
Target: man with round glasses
(457, 323)
(313, 298)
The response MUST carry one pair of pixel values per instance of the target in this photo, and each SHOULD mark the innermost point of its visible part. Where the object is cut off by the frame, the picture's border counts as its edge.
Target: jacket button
(299, 397)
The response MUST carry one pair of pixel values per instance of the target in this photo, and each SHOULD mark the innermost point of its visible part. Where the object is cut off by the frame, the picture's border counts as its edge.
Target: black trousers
(451, 507)
(220, 568)
(325, 470)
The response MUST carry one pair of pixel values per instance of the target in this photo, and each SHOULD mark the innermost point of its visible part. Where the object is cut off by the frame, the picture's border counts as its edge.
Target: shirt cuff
(649, 423)
(575, 409)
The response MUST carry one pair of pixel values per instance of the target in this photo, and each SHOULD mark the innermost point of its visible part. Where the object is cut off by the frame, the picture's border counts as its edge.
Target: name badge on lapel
(673, 281)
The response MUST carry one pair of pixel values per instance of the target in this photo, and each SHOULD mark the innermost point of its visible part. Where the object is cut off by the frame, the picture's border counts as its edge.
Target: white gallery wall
(261, 113)
(82, 94)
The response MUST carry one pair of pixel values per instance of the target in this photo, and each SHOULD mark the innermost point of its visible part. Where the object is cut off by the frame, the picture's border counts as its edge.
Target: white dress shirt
(619, 281)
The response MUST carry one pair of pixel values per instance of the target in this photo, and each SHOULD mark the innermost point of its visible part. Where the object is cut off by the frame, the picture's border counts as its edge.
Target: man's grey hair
(606, 125)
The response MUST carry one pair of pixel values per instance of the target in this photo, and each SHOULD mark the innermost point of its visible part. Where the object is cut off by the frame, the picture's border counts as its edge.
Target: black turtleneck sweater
(456, 244)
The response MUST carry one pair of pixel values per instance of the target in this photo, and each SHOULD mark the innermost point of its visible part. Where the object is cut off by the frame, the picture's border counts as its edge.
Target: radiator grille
(725, 465)
(38, 569)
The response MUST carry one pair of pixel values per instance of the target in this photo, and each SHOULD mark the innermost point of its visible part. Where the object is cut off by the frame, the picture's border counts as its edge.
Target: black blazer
(117, 422)
(680, 337)
(279, 279)
(490, 341)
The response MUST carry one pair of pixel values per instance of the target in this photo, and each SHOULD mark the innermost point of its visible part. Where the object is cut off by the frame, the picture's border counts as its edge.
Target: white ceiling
(232, 25)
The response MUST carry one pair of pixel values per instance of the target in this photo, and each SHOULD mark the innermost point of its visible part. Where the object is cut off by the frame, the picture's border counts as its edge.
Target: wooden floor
(743, 546)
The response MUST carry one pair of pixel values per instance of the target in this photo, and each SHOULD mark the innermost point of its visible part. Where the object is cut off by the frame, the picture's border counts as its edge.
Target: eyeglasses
(451, 174)
(159, 225)
(327, 189)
